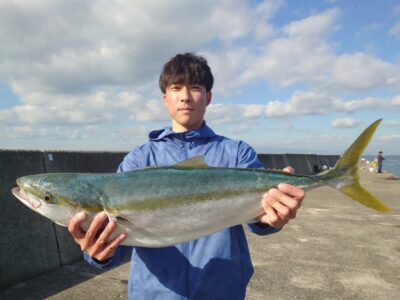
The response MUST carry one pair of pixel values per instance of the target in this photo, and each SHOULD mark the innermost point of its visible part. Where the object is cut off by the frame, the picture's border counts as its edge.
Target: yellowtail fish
(162, 206)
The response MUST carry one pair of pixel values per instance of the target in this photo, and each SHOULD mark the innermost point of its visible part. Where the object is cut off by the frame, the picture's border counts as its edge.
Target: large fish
(162, 206)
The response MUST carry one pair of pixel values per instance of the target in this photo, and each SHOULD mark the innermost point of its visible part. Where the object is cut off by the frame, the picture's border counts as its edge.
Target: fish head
(55, 196)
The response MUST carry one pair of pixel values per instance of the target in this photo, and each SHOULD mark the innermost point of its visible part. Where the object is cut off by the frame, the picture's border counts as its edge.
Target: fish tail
(344, 176)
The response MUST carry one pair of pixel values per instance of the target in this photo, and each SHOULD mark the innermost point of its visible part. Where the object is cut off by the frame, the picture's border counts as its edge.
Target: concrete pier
(334, 249)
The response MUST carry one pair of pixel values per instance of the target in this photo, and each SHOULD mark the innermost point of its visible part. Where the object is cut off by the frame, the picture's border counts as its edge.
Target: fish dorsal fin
(194, 162)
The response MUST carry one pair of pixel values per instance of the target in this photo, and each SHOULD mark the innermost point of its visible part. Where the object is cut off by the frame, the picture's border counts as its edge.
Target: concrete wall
(32, 245)
(305, 164)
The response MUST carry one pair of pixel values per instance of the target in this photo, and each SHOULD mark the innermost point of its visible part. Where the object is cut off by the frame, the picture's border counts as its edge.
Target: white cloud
(360, 71)
(395, 30)
(392, 123)
(395, 101)
(303, 103)
(72, 110)
(345, 123)
(388, 138)
(230, 113)
(128, 133)
(300, 54)
(313, 103)
(76, 71)
(153, 110)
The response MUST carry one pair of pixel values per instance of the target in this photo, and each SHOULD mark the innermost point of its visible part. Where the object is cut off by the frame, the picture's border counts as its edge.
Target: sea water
(390, 164)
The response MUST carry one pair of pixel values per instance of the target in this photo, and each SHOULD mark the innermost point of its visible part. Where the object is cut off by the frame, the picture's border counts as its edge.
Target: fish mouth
(26, 199)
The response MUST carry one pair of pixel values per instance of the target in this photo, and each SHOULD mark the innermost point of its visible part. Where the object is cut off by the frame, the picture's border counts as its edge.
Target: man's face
(186, 105)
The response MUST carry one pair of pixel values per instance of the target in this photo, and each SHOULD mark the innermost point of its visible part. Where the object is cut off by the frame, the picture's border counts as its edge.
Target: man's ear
(208, 98)
(164, 101)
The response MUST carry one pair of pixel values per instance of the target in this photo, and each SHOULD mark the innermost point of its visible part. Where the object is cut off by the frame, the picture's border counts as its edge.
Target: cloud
(75, 71)
(299, 54)
(123, 44)
(388, 138)
(230, 113)
(128, 133)
(313, 103)
(303, 103)
(74, 110)
(55, 47)
(395, 30)
(345, 123)
(359, 71)
(392, 123)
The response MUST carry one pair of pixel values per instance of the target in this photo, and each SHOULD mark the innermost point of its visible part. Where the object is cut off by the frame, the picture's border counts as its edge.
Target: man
(379, 159)
(217, 266)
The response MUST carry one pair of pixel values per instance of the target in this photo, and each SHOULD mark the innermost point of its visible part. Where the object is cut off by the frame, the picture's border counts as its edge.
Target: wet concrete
(334, 249)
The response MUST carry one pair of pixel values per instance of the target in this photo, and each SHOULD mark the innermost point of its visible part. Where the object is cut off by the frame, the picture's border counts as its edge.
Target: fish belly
(173, 225)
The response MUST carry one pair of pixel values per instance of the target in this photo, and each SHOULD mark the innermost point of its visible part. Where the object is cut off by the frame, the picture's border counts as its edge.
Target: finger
(281, 210)
(291, 190)
(288, 169)
(108, 230)
(289, 205)
(109, 250)
(74, 225)
(94, 230)
(271, 218)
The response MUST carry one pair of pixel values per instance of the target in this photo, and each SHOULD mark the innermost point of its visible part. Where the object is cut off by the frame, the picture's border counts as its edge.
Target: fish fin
(111, 218)
(122, 220)
(344, 176)
(361, 195)
(194, 162)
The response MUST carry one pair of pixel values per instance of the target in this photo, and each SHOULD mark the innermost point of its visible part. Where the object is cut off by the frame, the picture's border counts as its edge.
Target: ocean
(390, 164)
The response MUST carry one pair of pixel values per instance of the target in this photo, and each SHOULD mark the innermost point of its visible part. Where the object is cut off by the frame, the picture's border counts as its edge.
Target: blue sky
(290, 76)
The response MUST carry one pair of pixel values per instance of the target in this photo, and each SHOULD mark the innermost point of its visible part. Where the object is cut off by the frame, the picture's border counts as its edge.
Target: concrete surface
(335, 249)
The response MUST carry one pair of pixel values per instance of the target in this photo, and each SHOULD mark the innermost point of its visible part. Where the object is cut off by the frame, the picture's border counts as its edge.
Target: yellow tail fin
(344, 176)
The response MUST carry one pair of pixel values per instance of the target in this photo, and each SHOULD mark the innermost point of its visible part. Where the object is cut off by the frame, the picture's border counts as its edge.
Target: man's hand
(93, 241)
(281, 204)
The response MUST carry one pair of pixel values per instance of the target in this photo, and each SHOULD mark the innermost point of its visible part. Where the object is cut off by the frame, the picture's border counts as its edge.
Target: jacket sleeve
(129, 163)
(119, 256)
(247, 158)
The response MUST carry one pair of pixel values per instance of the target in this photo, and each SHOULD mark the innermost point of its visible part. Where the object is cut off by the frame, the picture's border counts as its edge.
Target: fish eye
(48, 198)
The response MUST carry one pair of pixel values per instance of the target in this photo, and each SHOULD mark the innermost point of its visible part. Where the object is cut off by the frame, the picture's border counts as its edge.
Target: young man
(217, 266)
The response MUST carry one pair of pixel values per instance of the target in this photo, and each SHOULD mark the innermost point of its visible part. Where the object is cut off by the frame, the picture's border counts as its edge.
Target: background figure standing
(379, 158)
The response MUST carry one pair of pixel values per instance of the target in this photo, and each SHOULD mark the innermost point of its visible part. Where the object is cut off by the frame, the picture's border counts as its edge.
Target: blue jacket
(217, 266)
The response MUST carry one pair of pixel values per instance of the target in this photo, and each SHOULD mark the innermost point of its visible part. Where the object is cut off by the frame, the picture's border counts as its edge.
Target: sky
(290, 76)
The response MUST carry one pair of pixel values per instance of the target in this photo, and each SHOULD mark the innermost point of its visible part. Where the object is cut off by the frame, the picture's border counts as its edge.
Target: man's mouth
(185, 109)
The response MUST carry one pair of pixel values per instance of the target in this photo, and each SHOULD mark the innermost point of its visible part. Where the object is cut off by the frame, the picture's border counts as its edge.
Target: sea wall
(32, 245)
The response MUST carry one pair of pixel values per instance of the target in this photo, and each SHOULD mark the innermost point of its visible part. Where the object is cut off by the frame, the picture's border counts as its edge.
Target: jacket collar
(203, 132)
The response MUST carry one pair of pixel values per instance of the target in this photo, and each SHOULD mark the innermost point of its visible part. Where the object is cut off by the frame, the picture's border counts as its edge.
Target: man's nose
(185, 94)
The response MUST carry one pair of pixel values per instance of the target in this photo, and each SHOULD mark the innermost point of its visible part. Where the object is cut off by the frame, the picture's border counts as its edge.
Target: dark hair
(186, 68)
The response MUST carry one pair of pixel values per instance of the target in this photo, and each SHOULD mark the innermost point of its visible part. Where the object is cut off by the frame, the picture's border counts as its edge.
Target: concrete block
(273, 161)
(313, 163)
(82, 162)
(28, 245)
(300, 163)
(328, 160)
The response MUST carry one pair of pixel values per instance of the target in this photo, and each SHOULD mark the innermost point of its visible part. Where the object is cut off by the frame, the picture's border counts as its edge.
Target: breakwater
(33, 245)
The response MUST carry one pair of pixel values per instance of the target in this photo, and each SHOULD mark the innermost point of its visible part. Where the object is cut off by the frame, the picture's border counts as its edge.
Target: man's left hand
(281, 204)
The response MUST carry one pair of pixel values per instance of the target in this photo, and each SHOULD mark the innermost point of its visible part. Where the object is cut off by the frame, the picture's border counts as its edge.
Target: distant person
(217, 266)
(379, 159)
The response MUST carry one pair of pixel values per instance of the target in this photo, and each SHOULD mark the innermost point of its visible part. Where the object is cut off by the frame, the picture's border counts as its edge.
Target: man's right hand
(93, 241)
